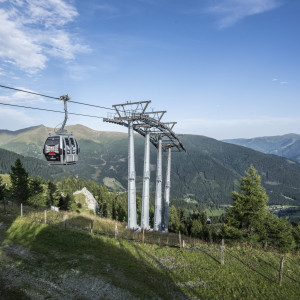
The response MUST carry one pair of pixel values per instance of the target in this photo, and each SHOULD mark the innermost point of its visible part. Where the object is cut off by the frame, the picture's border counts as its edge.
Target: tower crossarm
(129, 109)
(144, 121)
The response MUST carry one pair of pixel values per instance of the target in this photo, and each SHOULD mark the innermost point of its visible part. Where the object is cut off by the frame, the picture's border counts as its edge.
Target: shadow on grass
(249, 268)
(11, 293)
(116, 262)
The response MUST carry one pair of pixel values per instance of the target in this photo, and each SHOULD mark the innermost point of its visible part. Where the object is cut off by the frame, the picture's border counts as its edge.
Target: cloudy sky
(221, 68)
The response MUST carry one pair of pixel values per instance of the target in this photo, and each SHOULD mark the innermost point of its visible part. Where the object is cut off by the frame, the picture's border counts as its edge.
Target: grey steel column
(131, 180)
(146, 183)
(167, 193)
(157, 213)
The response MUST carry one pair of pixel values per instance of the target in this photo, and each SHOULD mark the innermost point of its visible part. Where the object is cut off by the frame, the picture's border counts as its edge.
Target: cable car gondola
(62, 147)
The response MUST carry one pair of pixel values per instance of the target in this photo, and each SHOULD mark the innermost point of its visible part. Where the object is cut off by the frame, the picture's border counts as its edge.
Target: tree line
(247, 220)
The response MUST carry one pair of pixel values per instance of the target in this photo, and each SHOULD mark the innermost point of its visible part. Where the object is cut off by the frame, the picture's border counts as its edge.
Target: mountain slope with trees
(287, 145)
(207, 173)
(35, 167)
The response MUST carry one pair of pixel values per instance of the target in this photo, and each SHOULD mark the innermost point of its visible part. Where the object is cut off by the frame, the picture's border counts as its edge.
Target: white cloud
(51, 12)
(232, 11)
(277, 80)
(13, 119)
(33, 31)
(18, 47)
(21, 98)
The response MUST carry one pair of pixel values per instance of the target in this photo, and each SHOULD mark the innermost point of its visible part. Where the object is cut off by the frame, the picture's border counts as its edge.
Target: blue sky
(223, 69)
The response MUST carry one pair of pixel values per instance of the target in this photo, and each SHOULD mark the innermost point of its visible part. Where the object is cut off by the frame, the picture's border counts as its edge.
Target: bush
(296, 235)
(230, 233)
(37, 200)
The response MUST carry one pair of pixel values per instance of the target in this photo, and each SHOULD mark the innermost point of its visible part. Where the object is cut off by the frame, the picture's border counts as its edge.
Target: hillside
(207, 173)
(41, 261)
(35, 167)
(287, 145)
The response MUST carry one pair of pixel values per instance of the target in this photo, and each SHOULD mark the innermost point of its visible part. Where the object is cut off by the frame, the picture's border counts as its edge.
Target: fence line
(96, 225)
(105, 227)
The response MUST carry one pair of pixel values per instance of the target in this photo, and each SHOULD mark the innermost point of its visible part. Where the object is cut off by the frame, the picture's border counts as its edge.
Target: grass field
(41, 261)
(6, 179)
(215, 212)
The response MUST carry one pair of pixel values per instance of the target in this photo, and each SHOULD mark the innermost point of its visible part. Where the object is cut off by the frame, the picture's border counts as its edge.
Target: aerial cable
(29, 92)
(92, 105)
(50, 110)
(56, 98)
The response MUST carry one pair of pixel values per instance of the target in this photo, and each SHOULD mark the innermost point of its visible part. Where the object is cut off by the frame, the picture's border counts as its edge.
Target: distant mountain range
(207, 173)
(287, 145)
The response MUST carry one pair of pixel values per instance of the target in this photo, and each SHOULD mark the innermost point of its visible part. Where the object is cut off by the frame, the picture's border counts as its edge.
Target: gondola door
(68, 151)
(74, 148)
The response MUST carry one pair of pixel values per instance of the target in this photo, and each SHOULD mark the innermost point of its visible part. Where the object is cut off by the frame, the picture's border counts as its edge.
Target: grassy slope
(5, 178)
(66, 258)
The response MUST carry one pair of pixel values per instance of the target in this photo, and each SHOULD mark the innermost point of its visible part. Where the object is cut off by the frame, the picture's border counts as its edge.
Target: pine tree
(249, 205)
(248, 217)
(19, 182)
(35, 186)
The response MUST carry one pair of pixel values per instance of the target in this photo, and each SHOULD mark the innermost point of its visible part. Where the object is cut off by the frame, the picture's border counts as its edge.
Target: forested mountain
(287, 145)
(207, 173)
(35, 167)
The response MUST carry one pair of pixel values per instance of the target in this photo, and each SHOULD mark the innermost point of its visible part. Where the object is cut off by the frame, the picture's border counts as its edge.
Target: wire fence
(266, 270)
(100, 226)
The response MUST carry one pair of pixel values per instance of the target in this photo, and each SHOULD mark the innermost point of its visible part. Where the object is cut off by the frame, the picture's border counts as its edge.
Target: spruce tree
(249, 205)
(19, 182)
(36, 186)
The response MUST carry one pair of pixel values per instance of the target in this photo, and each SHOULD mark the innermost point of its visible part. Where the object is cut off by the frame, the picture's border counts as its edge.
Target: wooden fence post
(143, 233)
(222, 252)
(179, 237)
(66, 222)
(116, 230)
(92, 225)
(45, 216)
(281, 269)
(183, 243)
(21, 210)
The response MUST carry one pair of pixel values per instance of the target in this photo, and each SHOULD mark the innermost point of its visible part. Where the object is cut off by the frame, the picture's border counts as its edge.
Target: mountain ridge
(207, 173)
(287, 145)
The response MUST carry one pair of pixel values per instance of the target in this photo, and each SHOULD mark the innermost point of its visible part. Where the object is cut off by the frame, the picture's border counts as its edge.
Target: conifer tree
(248, 217)
(35, 186)
(249, 205)
(19, 182)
